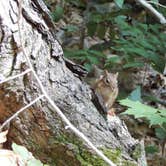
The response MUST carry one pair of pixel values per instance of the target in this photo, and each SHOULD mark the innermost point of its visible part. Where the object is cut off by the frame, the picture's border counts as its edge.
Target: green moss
(87, 157)
(114, 155)
(137, 152)
(129, 163)
(67, 138)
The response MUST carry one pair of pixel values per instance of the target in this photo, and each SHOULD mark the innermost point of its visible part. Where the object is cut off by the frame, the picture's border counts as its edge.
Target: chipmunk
(107, 87)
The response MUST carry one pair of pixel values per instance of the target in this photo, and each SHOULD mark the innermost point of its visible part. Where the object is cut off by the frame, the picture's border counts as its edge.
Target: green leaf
(135, 94)
(133, 64)
(139, 110)
(146, 44)
(26, 155)
(95, 18)
(88, 66)
(137, 51)
(92, 59)
(22, 151)
(136, 105)
(120, 20)
(101, 30)
(140, 42)
(158, 62)
(71, 28)
(155, 1)
(103, 8)
(156, 119)
(151, 98)
(151, 149)
(58, 13)
(91, 28)
(96, 53)
(114, 60)
(34, 162)
(162, 112)
(160, 133)
(138, 113)
(119, 3)
(76, 54)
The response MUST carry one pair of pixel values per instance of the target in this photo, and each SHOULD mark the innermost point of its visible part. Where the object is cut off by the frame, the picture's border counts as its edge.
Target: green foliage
(133, 42)
(139, 43)
(26, 155)
(57, 14)
(71, 28)
(87, 57)
(101, 17)
(139, 110)
(22, 151)
(161, 133)
(78, 3)
(136, 94)
(151, 98)
(119, 3)
(34, 162)
(151, 149)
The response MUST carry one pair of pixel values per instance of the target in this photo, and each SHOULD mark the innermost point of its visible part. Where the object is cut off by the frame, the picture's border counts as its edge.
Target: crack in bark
(2, 32)
(15, 49)
(11, 13)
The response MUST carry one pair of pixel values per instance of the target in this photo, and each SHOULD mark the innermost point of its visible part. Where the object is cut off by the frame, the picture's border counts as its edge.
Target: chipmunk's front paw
(111, 112)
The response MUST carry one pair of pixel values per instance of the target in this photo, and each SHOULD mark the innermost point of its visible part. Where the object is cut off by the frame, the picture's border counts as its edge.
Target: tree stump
(39, 127)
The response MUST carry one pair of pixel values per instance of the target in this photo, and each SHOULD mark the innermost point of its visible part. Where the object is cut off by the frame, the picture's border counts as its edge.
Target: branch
(149, 7)
(19, 111)
(158, 4)
(59, 112)
(16, 76)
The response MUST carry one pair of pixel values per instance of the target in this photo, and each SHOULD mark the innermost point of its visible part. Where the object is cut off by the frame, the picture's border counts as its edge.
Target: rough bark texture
(39, 128)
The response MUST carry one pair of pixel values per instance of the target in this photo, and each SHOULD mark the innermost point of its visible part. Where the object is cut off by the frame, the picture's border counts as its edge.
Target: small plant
(86, 57)
(139, 110)
(26, 156)
(139, 43)
(133, 43)
(151, 149)
(156, 118)
(57, 14)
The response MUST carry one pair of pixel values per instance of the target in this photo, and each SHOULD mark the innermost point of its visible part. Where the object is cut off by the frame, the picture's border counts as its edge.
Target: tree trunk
(40, 128)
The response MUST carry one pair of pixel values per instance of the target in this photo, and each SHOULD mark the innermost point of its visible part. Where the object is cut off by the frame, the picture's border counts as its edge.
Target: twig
(156, 3)
(59, 112)
(16, 76)
(19, 111)
(148, 6)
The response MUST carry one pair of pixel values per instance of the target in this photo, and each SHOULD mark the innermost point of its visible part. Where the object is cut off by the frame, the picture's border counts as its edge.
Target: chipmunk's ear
(101, 77)
(106, 72)
(116, 75)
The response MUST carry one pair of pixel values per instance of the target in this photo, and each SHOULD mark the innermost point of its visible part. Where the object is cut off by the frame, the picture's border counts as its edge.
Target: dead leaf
(3, 137)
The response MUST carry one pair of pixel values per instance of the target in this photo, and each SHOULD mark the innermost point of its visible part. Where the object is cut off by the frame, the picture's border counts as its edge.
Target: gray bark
(39, 128)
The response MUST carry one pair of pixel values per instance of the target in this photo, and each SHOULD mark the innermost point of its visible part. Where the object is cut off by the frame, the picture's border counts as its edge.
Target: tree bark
(39, 128)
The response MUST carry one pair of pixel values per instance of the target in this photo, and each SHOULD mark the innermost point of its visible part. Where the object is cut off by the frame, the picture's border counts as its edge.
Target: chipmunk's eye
(107, 81)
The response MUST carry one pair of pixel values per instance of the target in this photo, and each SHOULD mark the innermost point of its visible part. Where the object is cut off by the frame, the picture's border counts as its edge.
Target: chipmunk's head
(110, 79)
(107, 87)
